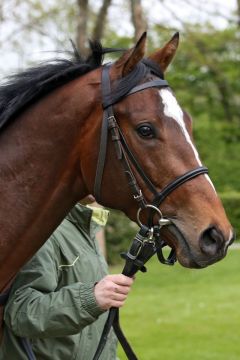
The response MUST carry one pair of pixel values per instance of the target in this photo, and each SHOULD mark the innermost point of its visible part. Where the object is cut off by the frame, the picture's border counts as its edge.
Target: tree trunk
(225, 99)
(81, 40)
(238, 13)
(1, 12)
(138, 19)
(101, 20)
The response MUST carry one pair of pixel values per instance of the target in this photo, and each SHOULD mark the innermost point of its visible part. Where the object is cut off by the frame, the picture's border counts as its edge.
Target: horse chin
(175, 239)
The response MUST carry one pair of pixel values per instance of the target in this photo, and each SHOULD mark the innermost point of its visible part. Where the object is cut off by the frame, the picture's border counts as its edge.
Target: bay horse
(51, 119)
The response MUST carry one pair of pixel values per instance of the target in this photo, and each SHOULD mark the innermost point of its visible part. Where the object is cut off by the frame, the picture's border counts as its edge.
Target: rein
(148, 240)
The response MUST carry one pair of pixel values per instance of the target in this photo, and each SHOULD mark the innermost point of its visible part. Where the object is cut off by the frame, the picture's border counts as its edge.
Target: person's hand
(112, 291)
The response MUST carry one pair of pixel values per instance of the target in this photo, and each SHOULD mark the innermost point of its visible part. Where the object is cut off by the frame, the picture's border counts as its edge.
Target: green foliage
(231, 203)
(219, 147)
(176, 313)
(205, 73)
(119, 234)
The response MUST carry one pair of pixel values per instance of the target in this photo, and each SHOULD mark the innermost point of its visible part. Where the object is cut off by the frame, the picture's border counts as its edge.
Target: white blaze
(173, 110)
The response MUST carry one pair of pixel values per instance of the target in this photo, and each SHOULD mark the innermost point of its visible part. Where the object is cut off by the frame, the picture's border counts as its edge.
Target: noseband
(147, 242)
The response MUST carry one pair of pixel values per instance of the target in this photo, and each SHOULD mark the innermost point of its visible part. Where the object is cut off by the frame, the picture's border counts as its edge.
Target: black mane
(22, 89)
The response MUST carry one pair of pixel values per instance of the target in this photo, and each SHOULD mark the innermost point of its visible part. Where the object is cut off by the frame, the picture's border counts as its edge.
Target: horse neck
(40, 177)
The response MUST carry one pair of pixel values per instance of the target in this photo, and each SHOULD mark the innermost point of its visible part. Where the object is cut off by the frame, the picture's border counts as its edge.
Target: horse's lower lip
(184, 252)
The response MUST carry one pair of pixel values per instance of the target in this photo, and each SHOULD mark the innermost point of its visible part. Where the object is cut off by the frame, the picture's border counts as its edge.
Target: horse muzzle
(210, 247)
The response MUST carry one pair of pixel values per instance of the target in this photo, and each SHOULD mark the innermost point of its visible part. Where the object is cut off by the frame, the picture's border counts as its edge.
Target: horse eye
(145, 131)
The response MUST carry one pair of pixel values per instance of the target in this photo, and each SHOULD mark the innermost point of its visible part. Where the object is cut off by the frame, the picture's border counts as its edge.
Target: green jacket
(52, 300)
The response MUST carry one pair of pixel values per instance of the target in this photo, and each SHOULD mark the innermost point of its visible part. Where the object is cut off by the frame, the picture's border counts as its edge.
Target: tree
(82, 25)
(207, 64)
(238, 13)
(138, 19)
(98, 26)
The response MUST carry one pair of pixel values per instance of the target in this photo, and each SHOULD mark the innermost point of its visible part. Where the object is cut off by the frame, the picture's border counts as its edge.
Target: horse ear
(164, 56)
(129, 60)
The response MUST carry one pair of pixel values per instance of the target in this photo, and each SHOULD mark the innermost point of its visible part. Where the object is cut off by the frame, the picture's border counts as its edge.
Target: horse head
(158, 133)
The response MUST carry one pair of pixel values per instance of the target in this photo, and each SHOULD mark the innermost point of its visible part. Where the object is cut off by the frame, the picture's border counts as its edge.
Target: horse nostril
(211, 241)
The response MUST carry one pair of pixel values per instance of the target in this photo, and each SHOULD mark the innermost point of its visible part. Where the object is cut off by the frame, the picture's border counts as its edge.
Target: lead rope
(130, 268)
(146, 243)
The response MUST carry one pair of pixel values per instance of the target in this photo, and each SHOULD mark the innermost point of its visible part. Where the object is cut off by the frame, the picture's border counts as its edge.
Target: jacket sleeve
(36, 309)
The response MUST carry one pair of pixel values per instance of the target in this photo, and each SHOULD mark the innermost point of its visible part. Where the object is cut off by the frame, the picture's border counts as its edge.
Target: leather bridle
(147, 242)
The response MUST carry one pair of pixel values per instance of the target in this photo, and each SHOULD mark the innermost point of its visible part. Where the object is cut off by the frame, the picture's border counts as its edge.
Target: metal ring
(148, 206)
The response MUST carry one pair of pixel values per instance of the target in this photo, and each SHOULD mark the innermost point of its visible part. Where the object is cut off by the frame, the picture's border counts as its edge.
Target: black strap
(137, 166)
(150, 84)
(122, 86)
(104, 336)
(108, 117)
(101, 157)
(138, 254)
(104, 136)
(108, 114)
(113, 321)
(177, 182)
(121, 337)
(154, 67)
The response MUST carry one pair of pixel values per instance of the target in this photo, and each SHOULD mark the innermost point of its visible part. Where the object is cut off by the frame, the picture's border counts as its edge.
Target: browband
(111, 96)
(149, 84)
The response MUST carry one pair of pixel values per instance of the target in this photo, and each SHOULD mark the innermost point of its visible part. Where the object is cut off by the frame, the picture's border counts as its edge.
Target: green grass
(176, 313)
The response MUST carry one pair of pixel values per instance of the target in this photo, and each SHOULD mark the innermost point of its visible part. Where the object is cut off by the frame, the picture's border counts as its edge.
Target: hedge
(120, 230)
(119, 234)
(231, 203)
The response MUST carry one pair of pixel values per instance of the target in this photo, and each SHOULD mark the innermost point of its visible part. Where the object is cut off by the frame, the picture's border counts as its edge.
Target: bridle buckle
(138, 196)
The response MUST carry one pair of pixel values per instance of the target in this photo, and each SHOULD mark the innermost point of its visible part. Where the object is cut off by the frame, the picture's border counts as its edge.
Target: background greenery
(180, 314)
